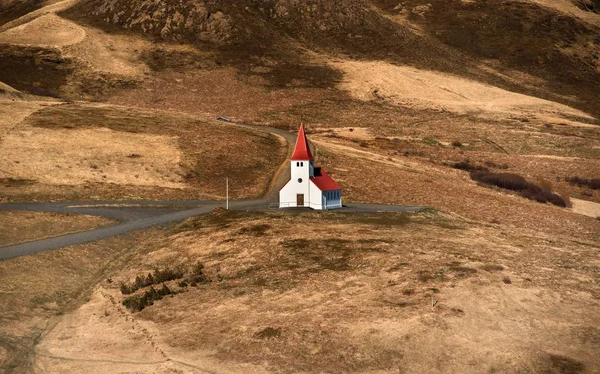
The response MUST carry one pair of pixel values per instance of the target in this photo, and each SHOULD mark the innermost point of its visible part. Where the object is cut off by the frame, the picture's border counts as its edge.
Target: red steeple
(302, 150)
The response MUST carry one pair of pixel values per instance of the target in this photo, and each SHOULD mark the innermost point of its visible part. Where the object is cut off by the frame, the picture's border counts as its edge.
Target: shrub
(543, 196)
(137, 303)
(159, 276)
(507, 181)
(466, 165)
(268, 333)
(197, 275)
(515, 182)
(430, 141)
(593, 183)
(457, 144)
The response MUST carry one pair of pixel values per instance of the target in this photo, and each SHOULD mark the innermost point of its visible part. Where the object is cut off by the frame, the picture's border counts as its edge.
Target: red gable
(324, 182)
(302, 150)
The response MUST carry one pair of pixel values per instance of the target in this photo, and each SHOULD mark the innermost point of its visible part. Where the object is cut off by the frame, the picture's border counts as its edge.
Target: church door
(300, 199)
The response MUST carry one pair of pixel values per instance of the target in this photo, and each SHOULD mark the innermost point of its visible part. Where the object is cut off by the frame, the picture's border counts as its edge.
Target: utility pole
(227, 193)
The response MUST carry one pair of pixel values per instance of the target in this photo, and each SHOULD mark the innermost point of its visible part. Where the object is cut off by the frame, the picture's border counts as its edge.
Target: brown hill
(451, 36)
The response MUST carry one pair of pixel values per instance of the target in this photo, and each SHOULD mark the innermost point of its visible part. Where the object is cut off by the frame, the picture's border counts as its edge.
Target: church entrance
(300, 199)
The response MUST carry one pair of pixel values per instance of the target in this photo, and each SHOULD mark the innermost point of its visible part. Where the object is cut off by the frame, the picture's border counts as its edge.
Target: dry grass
(37, 290)
(108, 151)
(403, 180)
(422, 89)
(338, 292)
(17, 227)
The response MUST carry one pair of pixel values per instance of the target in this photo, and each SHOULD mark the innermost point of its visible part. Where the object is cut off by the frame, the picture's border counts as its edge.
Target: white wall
(287, 195)
(316, 197)
(313, 197)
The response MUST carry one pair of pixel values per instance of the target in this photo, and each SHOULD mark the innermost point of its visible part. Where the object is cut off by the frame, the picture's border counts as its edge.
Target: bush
(197, 275)
(159, 276)
(457, 144)
(467, 166)
(593, 183)
(507, 181)
(543, 196)
(138, 303)
(515, 182)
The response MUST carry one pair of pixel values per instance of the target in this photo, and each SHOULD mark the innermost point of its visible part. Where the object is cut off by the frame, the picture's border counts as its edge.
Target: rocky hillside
(13, 9)
(459, 37)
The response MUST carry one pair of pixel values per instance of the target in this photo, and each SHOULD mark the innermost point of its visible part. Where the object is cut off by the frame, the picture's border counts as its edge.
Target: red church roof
(302, 150)
(324, 182)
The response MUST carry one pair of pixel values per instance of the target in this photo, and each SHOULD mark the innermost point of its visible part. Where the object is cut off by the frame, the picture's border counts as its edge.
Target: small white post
(227, 193)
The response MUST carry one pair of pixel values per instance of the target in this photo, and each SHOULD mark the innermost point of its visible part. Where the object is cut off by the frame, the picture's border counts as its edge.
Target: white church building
(309, 186)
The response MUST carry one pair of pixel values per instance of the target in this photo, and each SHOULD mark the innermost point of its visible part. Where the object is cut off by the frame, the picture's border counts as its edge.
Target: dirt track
(156, 213)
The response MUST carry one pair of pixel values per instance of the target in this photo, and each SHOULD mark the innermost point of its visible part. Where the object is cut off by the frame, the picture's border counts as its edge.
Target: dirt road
(137, 215)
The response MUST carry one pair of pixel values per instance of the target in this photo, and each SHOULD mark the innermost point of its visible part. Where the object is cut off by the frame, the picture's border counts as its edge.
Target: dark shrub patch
(466, 165)
(492, 164)
(543, 196)
(156, 277)
(507, 181)
(552, 363)
(593, 183)
(137, 303)
(16, 182)
(197, 275)
(515, 182)
(462, 271)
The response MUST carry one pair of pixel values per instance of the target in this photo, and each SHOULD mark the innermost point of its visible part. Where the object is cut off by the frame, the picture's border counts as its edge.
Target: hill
(486, 111)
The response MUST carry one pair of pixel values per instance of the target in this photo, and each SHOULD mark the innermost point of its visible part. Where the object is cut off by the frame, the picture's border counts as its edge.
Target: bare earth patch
(587, 208)
(21, 226)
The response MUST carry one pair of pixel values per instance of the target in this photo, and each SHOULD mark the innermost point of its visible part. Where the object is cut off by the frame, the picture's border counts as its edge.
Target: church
(309, 186)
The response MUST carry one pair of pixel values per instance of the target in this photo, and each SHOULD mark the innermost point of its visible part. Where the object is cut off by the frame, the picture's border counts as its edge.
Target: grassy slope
(352, 293)
(202, 168)
(17, 227)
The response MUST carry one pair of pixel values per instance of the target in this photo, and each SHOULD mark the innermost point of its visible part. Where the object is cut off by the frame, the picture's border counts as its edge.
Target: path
(141, 214)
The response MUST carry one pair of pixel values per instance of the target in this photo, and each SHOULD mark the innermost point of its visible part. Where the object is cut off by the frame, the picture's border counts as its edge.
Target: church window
(299, 180)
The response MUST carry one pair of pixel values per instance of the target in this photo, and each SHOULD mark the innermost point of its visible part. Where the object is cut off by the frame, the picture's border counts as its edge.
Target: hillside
(487, 111)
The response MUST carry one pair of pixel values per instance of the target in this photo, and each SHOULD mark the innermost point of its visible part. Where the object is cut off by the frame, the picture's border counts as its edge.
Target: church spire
(302, 150)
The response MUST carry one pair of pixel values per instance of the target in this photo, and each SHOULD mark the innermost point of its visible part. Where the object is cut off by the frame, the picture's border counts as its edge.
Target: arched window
(302, 164)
